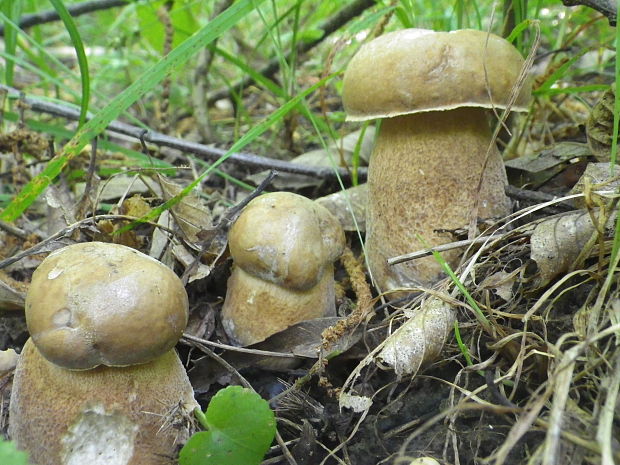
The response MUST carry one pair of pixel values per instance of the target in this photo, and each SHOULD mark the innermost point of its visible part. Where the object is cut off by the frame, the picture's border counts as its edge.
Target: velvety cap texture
(416, 70)
(96, 304)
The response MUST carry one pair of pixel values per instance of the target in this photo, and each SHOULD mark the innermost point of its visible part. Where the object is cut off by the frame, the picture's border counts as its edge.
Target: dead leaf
(322, 157)
(550, 158)
(301, 340)
(420, 339)
(120, 186)
(347, 205)
(191, 213)
(557, 242)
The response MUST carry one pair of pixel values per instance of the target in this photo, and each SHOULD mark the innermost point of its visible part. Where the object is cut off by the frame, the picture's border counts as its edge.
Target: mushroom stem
(134, 415)
(425, 171)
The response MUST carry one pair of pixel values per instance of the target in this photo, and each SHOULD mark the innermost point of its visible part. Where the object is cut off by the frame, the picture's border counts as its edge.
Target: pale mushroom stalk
(427, 167)
(431, 90)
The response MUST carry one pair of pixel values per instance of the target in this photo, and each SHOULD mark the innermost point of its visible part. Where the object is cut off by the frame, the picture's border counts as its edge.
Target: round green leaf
(241, 429)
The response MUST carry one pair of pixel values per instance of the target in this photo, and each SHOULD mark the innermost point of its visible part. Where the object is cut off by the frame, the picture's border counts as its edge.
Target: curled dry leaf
(501, 282)
(596, 177)
(356, 403)
(10, 299)
(191, 214)
(600, 126)
(557, 242)
(347, 205)
(420, 339)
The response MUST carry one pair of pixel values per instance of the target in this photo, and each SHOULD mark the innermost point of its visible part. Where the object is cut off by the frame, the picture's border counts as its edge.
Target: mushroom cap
(286, 239)
(95, 303)
(416, 70)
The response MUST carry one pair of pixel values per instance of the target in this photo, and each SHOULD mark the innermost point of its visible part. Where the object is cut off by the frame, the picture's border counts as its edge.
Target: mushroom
(283, 247)
(432, 90)
(99, 382)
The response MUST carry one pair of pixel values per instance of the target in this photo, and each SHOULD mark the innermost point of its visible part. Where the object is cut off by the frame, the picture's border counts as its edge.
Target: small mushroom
(283, 247)
(432, 90)
(98, 382)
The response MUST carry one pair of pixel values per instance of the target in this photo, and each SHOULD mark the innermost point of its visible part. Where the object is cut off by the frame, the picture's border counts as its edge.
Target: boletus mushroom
(283, 247)
(432, 91)
(99, 382)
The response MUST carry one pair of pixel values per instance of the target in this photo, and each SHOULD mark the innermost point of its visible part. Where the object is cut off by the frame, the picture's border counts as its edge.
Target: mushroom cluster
(99, 381)
(434, 160)
(283, 247)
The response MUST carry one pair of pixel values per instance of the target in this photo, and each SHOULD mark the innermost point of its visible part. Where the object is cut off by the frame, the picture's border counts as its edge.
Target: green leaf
(183, 17)
(241, 427)
(13, 11)
(9, 455)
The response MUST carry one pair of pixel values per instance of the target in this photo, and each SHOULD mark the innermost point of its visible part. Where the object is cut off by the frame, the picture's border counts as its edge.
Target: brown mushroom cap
(286, 239)
(96, 304)
(416, 70)
(283, 246)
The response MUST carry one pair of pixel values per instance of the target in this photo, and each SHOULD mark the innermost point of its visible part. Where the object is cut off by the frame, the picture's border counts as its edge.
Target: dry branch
(76, 9)
(606, 7)
(210, 153)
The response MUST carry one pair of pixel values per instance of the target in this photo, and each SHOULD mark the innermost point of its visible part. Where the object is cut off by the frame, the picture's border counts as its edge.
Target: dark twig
(210, 153)
(606, 7)
(537, 197)
(76, 9)
(329, 27)
(64, 233)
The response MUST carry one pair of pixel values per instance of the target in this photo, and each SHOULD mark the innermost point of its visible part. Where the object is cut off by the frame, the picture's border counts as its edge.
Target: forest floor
(526, 376)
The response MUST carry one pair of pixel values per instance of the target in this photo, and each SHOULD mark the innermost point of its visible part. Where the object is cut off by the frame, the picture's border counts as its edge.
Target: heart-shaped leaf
(241, 427)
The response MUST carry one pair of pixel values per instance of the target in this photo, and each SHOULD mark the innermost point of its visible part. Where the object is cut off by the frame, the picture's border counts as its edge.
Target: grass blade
(236, 147)
(12, 10)
(149, 79)
(76, 40)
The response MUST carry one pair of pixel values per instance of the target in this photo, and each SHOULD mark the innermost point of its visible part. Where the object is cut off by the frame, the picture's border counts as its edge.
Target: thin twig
(192, 340)
(17, 232)
(210, 153)
(606, 7)
(65, 232)
(76, 9)
(441, 248)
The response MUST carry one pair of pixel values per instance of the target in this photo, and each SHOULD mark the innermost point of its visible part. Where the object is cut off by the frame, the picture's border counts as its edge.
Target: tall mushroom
(432, 90)
(99, 382)
(283, 247)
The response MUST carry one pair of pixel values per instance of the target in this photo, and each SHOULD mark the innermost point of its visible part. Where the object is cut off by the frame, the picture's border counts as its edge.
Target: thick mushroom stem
(251, 293)
(425, 171)
(136, 415)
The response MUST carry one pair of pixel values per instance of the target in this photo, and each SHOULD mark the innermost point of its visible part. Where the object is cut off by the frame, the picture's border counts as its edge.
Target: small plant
(240, 428)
